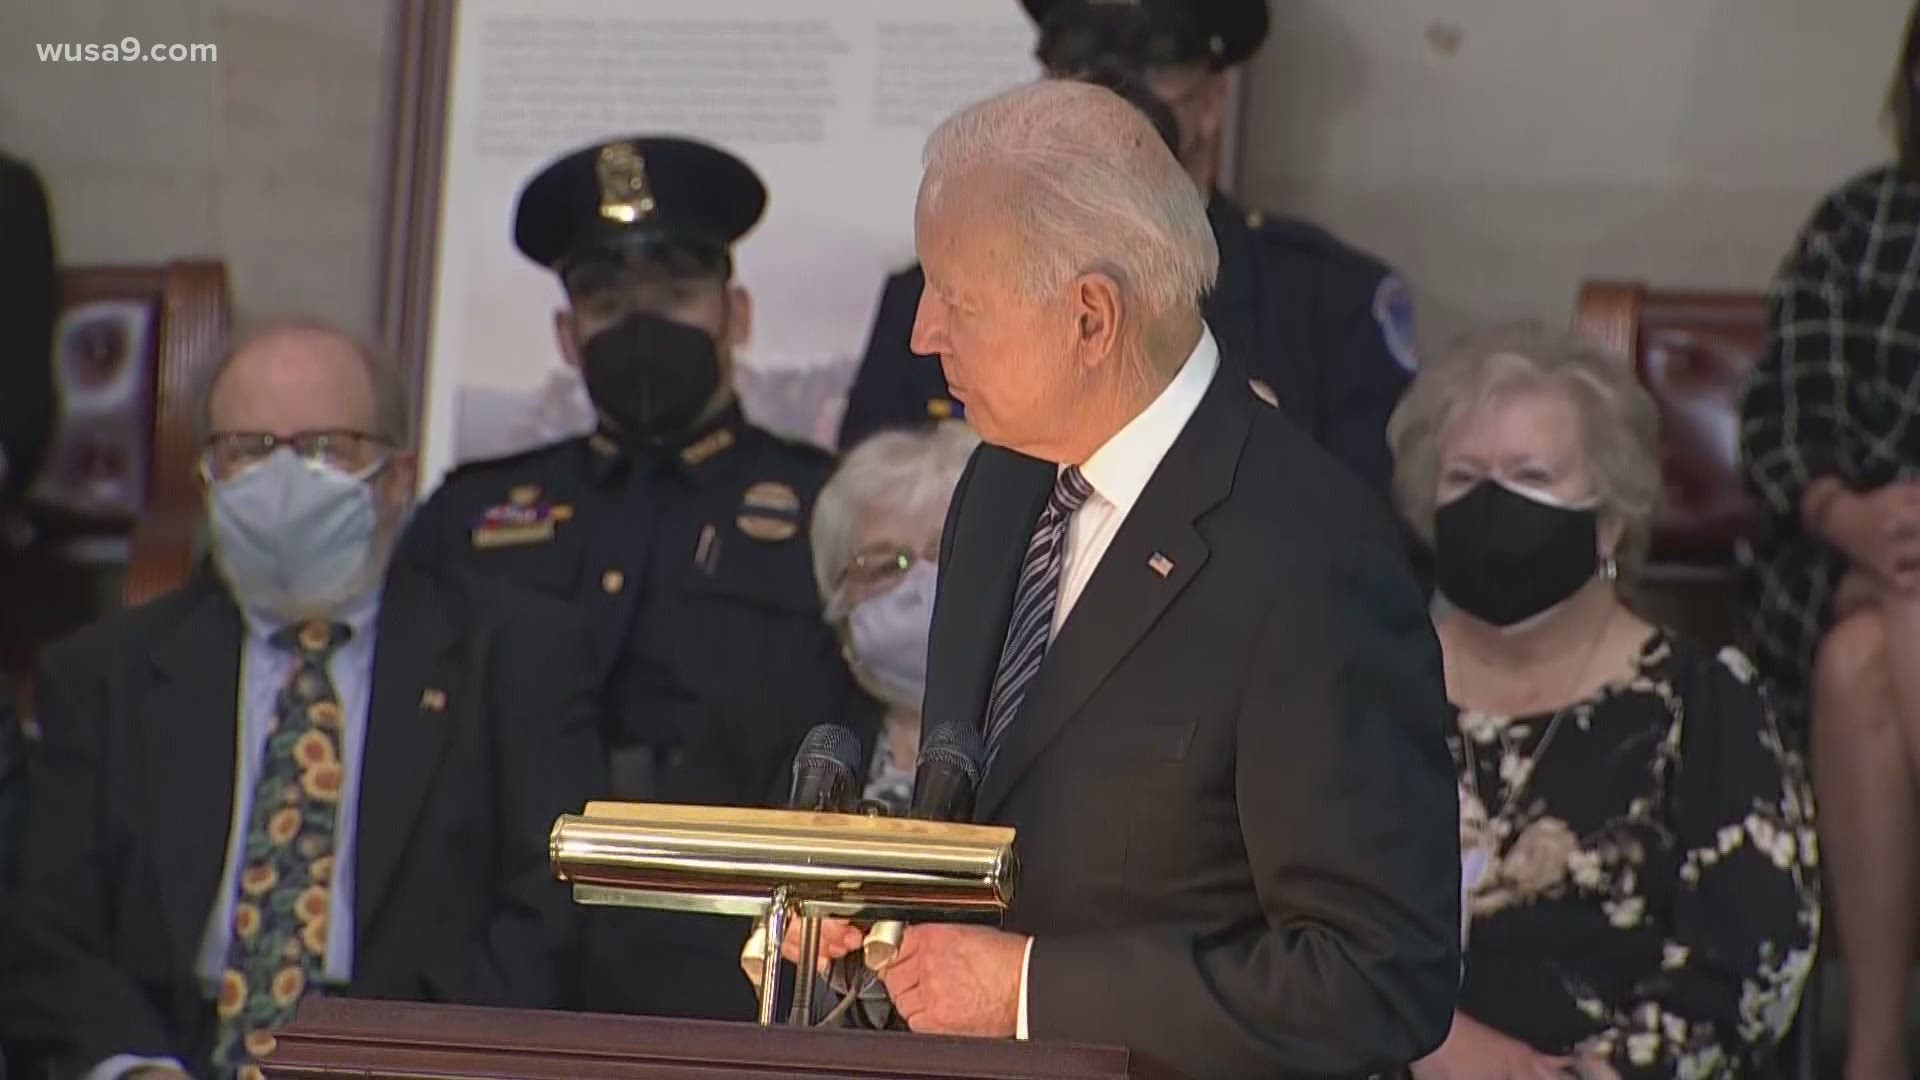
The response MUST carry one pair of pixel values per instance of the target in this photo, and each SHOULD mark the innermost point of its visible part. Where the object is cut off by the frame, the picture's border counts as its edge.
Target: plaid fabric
(1836, 393)
(280, 918)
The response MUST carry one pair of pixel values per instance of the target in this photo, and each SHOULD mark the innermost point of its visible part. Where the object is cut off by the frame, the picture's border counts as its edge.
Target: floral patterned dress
(1651, 892)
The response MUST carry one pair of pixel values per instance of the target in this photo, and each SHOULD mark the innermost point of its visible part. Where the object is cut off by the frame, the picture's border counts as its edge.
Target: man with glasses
(1325, 330)
(677, 526)
(304, 770)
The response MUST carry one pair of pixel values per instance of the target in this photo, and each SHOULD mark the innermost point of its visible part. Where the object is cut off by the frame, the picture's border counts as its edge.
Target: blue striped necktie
(1030, 628)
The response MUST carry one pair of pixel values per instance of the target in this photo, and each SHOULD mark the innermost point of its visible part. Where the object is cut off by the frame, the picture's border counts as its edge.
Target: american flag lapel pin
(1160, 564)
(433, 700)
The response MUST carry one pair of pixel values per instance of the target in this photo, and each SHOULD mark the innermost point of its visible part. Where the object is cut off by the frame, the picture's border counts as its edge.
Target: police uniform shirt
(695, 567)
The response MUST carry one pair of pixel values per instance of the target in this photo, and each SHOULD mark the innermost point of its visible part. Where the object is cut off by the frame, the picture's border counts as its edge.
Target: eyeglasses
(230, 453)
(881, 566)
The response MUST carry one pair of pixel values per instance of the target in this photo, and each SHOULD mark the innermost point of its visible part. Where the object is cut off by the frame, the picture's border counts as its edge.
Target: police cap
(638, 196)
(1076, 34)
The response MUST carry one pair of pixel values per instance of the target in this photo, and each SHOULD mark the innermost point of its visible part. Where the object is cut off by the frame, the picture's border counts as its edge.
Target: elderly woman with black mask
(1638, 844)
(876, 548)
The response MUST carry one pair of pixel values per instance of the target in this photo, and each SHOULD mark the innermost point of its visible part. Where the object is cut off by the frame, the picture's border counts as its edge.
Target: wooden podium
(334, 1038)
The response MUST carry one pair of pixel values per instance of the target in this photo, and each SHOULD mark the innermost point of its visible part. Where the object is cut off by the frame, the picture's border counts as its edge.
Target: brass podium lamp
(780, 865)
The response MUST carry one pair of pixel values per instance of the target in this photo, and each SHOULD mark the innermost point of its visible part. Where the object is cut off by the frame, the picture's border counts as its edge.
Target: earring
(1610, 570)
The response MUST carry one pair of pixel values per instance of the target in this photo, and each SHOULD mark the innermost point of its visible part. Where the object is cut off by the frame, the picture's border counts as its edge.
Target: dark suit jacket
(26, 325)
(13, 746)
(131, 795)
(1235, 807)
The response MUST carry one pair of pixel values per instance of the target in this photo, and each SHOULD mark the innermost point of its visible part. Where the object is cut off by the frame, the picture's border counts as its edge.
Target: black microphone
(824, 770)
(947, 772)
(944, 779)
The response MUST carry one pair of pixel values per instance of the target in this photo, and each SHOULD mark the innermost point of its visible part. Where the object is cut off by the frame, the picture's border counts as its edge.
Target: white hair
(911, 473)
(1093, 189)
(1619, 421)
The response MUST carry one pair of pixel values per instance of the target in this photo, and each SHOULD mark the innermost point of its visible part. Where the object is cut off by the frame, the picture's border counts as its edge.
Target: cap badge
(624, 194)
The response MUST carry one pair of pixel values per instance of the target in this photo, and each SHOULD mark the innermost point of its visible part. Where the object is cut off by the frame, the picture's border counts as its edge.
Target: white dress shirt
(1119, 472)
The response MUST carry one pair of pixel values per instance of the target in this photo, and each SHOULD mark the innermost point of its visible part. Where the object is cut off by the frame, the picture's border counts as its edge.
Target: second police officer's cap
(638, 196)
(1077, 34)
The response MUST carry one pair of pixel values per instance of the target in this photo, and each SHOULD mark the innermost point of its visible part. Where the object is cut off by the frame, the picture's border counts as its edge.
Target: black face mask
(650, 377)
(1503, 557)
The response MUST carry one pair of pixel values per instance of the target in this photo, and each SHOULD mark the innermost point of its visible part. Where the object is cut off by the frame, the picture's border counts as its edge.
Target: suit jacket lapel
(1128, 592)
(986, 544)
(410, 708)
(190, 717)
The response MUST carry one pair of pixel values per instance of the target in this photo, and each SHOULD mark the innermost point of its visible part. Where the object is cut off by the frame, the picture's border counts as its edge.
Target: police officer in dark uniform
(679, 526)
(1325, 329)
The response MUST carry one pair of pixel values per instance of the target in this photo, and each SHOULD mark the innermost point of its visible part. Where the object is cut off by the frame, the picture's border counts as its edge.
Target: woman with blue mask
(876, 546)
(1637, 844)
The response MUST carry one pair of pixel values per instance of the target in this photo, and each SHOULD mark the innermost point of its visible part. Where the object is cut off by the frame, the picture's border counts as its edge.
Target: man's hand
(1880, 532)
(958, 980)
(838, 937)
(1474, 1051)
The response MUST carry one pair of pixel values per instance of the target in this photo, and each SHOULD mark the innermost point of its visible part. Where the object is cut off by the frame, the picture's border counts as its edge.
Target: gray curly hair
(912, 471)
(1619, 423)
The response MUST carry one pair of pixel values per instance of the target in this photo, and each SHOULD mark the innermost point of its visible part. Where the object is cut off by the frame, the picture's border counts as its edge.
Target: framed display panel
(829, 100)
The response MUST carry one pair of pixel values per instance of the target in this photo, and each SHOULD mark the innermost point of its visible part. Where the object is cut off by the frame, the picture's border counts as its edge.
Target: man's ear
(739, 316)
(401, 477)
(1210, 108)
(563, 335)
(1097, 315)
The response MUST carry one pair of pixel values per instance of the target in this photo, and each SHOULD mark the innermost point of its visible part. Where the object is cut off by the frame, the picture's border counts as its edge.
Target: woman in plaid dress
(1830, 446)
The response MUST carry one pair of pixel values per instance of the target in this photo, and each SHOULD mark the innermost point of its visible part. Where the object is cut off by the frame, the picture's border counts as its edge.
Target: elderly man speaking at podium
(1210, 696)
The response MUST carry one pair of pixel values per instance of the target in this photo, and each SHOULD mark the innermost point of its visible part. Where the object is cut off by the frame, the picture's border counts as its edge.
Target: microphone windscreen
(956, 744)
(830, 743)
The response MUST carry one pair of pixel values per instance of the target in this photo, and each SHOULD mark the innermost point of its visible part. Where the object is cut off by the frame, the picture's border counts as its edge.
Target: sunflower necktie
(280, 912)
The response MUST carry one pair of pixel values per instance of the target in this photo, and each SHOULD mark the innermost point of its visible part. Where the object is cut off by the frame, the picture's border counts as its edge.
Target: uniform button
(613, 581)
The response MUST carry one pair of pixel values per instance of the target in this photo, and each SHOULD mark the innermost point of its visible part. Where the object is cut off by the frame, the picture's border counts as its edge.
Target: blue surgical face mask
(295, 540)
(889, 635)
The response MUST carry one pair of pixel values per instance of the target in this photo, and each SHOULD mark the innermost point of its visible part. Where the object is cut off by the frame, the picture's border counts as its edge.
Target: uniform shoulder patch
(769, 512)
(770, 495)
(1393, 310)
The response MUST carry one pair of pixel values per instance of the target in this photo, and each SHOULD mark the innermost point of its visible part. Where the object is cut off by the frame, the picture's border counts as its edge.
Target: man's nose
(929, 327)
